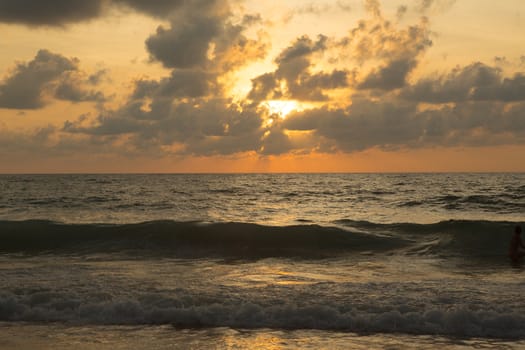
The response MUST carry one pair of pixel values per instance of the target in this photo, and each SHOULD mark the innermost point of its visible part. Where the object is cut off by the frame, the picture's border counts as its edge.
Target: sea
(261, 261)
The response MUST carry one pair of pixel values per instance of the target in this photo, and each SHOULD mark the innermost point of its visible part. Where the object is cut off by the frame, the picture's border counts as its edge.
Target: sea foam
(155, 310)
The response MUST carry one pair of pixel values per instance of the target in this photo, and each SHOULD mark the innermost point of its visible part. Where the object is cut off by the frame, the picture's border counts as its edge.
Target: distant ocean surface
(408, 261)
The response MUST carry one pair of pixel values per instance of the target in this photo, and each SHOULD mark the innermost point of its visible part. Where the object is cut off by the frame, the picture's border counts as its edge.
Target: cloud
(501, 60)
(203, 36)
(294, 78)
(217, 127)
(392, 76)
(31, 85)
(265, 86)
(184, 83)
(384, 57)
(16, 142)
(157, 8)
(202, 45)
(378, 39)
(395, 52)
(184, 45)
(180, 84)
(373, 7)
(64, 12)
(276, 142)
(46, 13)
(392, 125)
(362, 125)
(436, 6)
(97, 77)
(188, 111)
(359, 88)
(72, 90)
(476, 81)
(317, 9)
(401, 11)
(27, 84)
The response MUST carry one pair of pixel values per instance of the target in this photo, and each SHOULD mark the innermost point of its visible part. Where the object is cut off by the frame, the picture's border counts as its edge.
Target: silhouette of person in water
(515, 253)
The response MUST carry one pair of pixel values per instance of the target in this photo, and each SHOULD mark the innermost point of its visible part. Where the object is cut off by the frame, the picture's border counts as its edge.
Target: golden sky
(262, 86)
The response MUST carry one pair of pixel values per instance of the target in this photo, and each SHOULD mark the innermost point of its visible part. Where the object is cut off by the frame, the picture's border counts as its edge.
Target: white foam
(457, 321)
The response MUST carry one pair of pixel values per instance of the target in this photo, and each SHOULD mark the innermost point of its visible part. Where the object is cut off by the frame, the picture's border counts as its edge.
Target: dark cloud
(473, 82)
(72, 91)
(392, 54)
(265, 86)
(223, 128)
(157, 8)
(276, 142)
(108, 125)
(184, 45)
(185, 111)
(202, 46)
(49, 13)
(216, 127)
(392, 76)
(303, 47)
(362, 125)
(393, 124)
(31, 85)
(64, 12)
(97, 77)
(203, 36)
(187, 83)
(180, 84)
(188, 111)
(294, 79)
(25, 87)
(508, 90)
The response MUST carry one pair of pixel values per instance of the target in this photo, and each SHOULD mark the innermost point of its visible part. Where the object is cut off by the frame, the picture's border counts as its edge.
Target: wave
(452, 238)
(154, 309)
(198, 239)
(188, 239)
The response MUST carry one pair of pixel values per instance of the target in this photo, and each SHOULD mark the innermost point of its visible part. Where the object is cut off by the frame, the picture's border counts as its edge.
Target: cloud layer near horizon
(360, 89)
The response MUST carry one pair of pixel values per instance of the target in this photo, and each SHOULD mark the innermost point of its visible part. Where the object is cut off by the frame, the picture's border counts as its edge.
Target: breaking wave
(198, 239)
(460, 320)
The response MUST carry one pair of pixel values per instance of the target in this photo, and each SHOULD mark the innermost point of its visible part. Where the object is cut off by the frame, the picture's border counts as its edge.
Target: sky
(171, 86)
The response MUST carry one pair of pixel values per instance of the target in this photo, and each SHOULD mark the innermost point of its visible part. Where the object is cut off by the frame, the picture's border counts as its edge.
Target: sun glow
(282, 107)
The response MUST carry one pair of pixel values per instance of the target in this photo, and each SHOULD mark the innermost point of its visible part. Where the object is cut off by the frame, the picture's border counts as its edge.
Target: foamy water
(305, 260)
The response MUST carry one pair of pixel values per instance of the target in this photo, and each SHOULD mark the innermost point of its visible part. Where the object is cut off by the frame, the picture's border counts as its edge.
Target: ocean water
(266, 261)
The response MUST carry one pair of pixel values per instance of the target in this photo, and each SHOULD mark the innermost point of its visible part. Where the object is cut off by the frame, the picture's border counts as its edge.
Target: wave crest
(188, 239)
(197, 239)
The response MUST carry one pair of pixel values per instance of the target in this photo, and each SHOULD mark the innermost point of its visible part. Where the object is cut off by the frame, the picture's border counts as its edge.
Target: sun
(281, 107)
